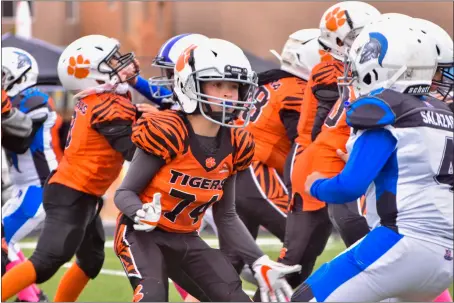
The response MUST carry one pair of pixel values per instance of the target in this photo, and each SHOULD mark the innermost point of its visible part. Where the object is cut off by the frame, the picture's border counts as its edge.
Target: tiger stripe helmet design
(167, 57)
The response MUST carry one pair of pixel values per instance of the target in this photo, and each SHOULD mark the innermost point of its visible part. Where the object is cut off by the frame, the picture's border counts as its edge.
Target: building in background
(140, 26)
(143, 26)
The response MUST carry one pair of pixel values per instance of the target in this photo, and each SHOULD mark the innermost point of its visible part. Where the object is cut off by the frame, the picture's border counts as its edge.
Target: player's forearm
(141, 171)
(20, 144)
(368, 157)
(232, 232)
(143, 87)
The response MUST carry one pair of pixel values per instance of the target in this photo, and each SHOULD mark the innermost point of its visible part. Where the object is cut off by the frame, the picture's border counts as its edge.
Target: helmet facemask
(445, 84)
(122, 61)
(165, 80)
(230, 108)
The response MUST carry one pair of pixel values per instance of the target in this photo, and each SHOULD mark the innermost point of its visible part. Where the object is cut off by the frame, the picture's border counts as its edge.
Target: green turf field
(112, 285)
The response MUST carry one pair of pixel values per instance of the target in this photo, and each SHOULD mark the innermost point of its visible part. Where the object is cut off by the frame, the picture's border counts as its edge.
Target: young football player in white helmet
(159, 89)
(401, 158)
(309, 221)
(98, 141)
(261, 192)
(186, 162)
(32, 156)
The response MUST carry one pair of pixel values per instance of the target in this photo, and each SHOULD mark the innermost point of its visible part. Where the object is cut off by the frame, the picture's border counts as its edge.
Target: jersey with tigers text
(90, 164)
(192, 179)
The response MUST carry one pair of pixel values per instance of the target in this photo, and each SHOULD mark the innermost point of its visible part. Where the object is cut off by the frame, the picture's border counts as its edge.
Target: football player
(187, 161)
(31, 157)
(262, 197)
(443, 81)
(159, 89)
(98, 142)
(401, 157)
(308, 223)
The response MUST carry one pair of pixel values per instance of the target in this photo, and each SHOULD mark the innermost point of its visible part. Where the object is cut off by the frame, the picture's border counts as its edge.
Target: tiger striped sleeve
(292, 98)
(244, 147)
(113, 108)
(324, 79)
(163, 134)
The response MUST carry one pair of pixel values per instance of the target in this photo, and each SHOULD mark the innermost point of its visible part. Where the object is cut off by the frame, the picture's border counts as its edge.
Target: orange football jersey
(271, 141)
(6, 103)
(335, 131)
(323, 74)
(89, 163)
(191, 180)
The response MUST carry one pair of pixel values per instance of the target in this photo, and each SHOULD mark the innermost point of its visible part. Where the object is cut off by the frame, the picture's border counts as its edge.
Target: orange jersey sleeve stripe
(113, 108)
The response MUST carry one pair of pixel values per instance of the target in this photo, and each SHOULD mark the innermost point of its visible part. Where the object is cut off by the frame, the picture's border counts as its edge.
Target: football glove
(147, 217)
(270, 276)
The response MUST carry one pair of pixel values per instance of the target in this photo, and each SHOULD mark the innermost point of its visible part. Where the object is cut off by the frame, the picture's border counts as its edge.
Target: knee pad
(49, 257)
(93, 265)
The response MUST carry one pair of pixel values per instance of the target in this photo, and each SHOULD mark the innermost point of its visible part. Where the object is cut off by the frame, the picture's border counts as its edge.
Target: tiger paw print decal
(335, 19)
(325, 56)
(78, 72)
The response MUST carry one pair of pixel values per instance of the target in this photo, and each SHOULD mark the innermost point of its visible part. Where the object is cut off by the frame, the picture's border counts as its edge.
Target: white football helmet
(301, 53)
(91, 61)
(166, 58)
(214, 60)
(19, 70)
(386, 56)
(342, 23)
(444, 46)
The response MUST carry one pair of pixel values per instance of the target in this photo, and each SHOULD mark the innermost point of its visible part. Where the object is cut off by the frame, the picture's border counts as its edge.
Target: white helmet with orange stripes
(214, 60)
(342, 23)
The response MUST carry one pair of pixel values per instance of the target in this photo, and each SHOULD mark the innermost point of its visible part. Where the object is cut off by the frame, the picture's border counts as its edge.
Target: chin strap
(117, 88)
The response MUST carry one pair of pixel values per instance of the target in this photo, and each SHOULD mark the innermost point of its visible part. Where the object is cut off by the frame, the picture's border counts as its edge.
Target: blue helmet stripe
(165, 49)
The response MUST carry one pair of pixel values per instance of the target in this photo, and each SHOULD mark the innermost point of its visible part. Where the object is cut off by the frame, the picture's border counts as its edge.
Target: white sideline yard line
(121, 273)
(212, 242)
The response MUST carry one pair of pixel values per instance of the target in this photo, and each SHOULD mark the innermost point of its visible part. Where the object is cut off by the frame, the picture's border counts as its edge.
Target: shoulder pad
(370, 112)
(244, 147)
(30, 99)
(324, 80)
(272, 75)
(112, 107)
(163, 134)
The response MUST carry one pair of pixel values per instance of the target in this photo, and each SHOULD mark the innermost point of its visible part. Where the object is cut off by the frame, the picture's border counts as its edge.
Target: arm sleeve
(20, 144)
(326, 99)
(140, 173)
(232, 232)
(119, 136)
(290, 120)
(370, 153)
(144, 88)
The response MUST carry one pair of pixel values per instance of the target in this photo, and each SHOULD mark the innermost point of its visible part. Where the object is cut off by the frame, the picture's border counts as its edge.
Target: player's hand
(270, 276)
(311, 179)
(130, 73)
(147, 217)
(146, 108)
(342, 155)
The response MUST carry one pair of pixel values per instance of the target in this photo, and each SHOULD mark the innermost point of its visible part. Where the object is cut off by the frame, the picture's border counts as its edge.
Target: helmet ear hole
(367, 79)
